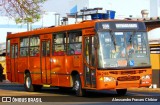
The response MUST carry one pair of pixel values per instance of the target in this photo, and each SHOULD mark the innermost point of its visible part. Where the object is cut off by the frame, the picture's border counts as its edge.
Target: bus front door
(89, 62)
(14, 62)
(45, 61)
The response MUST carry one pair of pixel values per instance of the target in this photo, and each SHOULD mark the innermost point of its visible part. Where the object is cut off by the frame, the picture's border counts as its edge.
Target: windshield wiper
(113, 39)
(130, 39)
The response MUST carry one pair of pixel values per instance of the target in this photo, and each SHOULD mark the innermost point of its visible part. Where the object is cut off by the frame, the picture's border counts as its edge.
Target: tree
(23, 11)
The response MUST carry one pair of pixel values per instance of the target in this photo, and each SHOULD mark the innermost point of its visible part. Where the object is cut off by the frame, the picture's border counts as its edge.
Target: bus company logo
(6, 99)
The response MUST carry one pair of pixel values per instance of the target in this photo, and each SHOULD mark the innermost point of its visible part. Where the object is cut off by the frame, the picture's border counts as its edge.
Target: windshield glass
(123, 49)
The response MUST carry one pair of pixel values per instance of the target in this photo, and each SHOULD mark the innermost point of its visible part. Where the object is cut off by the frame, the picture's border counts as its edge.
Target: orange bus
(83, 56)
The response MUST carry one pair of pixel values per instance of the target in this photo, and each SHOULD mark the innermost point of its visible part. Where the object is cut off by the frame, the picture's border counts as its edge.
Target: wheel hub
(76, 86)
(28, 82)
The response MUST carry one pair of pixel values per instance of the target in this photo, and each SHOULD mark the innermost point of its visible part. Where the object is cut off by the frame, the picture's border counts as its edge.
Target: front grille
(127, 72)
(128, 78)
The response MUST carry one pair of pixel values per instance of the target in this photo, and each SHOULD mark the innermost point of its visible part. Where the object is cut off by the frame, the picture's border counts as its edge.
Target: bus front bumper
(114, 84)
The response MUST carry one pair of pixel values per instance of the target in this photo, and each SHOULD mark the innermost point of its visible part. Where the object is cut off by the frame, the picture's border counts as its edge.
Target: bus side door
(89, 62)
(14, 60)
(8, 60)
(46, 58)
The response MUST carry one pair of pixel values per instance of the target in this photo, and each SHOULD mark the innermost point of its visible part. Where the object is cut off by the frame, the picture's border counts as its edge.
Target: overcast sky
(122, 8)
(60, 6)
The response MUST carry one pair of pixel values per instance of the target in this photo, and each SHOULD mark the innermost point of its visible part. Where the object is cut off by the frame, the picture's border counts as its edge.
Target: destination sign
(126, 26)
(118, 25)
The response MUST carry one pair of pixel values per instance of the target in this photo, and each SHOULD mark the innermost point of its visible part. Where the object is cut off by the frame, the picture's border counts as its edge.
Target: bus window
(34, 46)
(75, 43)
(14, 53)
(140, 43)
(46, 48)
(24, 43)
(8, 47)
(59, 44)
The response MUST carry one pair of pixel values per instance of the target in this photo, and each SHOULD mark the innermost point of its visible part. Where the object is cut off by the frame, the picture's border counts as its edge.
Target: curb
(156, 90)
(7, 83)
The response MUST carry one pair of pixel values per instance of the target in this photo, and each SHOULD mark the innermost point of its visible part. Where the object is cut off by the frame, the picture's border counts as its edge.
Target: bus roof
(81, 25)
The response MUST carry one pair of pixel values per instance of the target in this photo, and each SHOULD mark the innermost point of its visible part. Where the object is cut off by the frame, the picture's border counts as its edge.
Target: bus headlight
(109, 79)
(146, 77)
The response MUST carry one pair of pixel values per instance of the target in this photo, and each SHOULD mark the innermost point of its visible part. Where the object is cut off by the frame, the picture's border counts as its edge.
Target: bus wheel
(121, 92)
(28, 83)
(78, 86)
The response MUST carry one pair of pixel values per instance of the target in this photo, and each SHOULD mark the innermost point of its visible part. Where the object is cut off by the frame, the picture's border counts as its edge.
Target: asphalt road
(66, 96)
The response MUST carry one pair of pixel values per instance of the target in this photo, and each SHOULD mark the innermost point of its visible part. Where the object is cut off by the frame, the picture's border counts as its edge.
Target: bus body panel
(34, 68)
(8, 68)
(22, 66)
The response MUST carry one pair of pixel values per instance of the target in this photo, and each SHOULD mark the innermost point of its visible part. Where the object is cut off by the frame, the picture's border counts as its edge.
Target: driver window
(106, 46)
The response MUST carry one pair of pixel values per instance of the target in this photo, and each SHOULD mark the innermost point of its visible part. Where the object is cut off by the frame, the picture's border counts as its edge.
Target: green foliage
(23, 11)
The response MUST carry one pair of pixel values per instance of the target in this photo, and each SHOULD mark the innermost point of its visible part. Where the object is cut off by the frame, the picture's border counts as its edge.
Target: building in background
(154, 12)
(123, 8)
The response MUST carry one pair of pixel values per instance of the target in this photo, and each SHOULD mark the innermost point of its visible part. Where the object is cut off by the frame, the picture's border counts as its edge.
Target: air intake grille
(128, 78)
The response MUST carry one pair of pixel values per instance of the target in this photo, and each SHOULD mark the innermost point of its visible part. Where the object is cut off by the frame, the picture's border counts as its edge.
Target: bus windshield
(123, 49)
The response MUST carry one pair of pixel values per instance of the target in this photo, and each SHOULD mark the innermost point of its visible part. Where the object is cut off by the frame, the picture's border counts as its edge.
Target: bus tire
(121, 92)
(28, 83)
(77, 86)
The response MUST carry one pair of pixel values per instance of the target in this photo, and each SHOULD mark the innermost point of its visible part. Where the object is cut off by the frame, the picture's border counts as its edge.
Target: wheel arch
(25, 72)
(73, 74)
